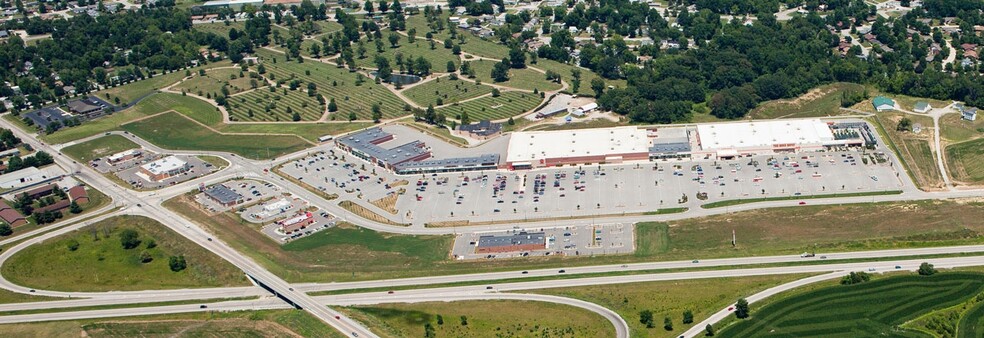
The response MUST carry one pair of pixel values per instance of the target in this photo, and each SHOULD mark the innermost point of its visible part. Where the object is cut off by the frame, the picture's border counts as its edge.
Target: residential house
(969, 113)
(922, 107)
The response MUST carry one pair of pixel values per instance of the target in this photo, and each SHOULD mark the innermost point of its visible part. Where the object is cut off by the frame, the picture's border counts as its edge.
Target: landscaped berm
(119, 254)
(872, 309)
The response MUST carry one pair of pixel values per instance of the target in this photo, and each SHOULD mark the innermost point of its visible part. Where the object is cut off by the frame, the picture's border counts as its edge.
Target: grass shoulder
(94, 259)
(99, 147)
(485, 318)
(726, 203)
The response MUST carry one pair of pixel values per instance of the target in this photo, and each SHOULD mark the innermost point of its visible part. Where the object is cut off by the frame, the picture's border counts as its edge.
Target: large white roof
(164, 165)
(741, 135)
(537, 145)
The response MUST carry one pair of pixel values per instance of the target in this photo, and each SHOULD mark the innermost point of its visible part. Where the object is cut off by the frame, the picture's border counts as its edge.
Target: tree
(732, 103)
(429, 331)
(517, 58)
(465, 120)
(709, 330)
(295, 117)
(74, 208)
(500, 72)
(855, 278)
(464, 321)
(177, 263)
(368, 8)
(575, 80)
(598, 86)
(72, 245)
(905, 124)
(646, 317)
(5, 229)
(332, 107)
(151, 244)
(352, 116)
(440, 320)
(130, 239)
(495, 92)
(394, 40)
(667, 323)
(741, 309)
(688, 317)
(377, 113)
(926, 269)
(145, 257)
(511, 121)
(451, 67)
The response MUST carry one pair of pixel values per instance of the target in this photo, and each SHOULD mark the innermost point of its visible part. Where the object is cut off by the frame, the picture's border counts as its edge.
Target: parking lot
(252, 191)
(264, 204)
(600, 239)
(337, 172)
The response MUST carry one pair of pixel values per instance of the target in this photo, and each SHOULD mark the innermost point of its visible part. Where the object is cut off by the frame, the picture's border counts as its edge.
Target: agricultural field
(273, 104)
(507, 105)
(702, 297)
(965, 161)
(99, 262)
(527, 79)
(234, 79)
(914, 149)
(449, 91)
(491, 318)
(266, 323)
(874, 308)
(438, 57)
(103, 146)
(818, 102)
(175, 131)
(335, 83)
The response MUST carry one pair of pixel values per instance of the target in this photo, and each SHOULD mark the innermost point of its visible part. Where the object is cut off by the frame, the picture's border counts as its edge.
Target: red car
(731, 308)
(802, 203)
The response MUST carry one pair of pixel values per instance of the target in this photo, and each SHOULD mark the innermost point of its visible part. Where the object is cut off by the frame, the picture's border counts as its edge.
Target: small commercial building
(163, 168)
(482, 129)
(224, 196)
(882, 103)
(582, 146)
(125, 155)
(84, 107)
(298, 222)
(457, 164)
(580, 111)
(519, 242)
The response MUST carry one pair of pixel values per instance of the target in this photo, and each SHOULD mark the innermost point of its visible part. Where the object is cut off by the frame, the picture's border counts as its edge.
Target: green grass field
(869, 309)
(821, 101)
(101, 264)
(565, 73)
(264, 105)
(174, 131)
(725, 203)
(214, 80)
(335, 83)
(106, 145)
(971, 325)
(965, 161)
(670, 299)
(266, 323)
(526, 78)
(508, 104)
(956, 129)
(151, 105)
(132, 91)
(485, 319)
(449, 91)
(438, 56)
